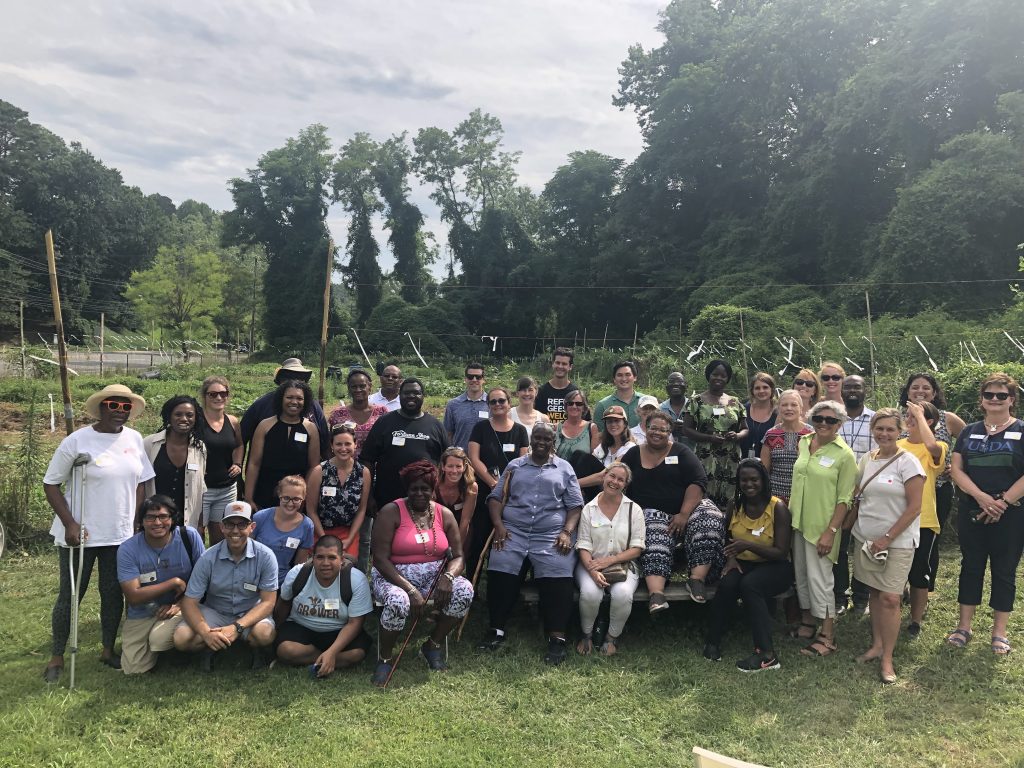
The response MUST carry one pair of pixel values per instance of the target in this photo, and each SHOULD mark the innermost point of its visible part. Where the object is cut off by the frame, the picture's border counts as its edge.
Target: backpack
(187, 541)
(283, 608)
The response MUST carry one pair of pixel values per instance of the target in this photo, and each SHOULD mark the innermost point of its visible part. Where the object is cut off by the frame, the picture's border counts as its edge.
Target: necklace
(993, 428)
(421, 531)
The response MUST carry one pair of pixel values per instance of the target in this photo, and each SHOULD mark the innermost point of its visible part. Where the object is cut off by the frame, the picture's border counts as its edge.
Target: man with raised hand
(463, 412)
(235, 581)
(551, 396)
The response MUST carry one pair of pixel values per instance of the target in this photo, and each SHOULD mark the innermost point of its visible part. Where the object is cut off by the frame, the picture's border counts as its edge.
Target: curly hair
(195, 436)
(284, 386)
(418, 470)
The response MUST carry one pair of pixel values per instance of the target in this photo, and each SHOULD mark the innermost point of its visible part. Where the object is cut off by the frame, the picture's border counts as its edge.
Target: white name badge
(249, 587)
(671, 459)
(509, 447)
(329, 490)
(458, 506)
(147, 578)
(977, 437)
(1011, 435)
(192, 467)
(101, 461)
(291, 542)
(759, 531)
(422, 538)
(887, 479)
(398, 440)
(482, 414)
(332, 603)
(826, 461)
(718, 411)
(301, 437)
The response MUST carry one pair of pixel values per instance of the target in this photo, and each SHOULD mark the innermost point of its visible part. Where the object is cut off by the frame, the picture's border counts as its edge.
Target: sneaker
(712, 652)
(913, 629)
(556, 651)
(434, 656)
(758, 662)
(842, 608)
(206, 661)
(381, 673)
(492, 642)
(657, 603)
(861, 609)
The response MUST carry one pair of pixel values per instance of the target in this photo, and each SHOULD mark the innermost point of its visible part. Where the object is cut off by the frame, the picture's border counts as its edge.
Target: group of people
(211, 528)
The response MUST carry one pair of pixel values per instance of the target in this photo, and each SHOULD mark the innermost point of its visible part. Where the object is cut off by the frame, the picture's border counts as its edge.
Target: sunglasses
(577, 404)
(474, 377)
(497, 401)
(117, 405)
(1000, 396)
(803, 383)
(221, 394)
(831, 377)
(830, 420)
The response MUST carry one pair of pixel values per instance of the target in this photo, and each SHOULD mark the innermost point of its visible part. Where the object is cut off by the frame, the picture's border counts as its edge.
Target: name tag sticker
(193, 467)
(398, 440)
(826, 461)
(458, 506)
(332, 603)
(482, 414)
(147, 578)
(671, 459)
(718, 410)
(1011, 435)
(301, 437)
(291, 542)
(422, 537)
(977, 437)
(101, 461)
(509, 447)
(887, 479)
(759, 531)
(329, 490)
(249, 587)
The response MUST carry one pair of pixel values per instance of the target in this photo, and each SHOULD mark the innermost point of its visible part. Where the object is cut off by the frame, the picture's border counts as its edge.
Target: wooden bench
(675, 592)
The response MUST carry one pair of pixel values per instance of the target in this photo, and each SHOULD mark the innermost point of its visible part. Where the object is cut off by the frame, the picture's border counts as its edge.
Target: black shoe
(758, 662)
(206, 661)
(434, 656)
(914, 630)
(381, 673)
(861, 609)
(712, 652)
(260, 658)
(492, 642)
(114, 662)
(556, 651)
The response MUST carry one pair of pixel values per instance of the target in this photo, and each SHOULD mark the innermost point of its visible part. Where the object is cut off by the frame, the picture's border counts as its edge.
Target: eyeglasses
(831, 377)
(474, 377)
(117, 405)
(291, 499)
(1000, 396)
(802, 383)
(497, 401)
(156, 518)
(830, 420)
(235, 526)
(576, 404)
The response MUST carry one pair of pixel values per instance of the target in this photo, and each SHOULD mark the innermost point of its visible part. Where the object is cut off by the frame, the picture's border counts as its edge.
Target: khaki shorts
(143, 639)
(889, 576)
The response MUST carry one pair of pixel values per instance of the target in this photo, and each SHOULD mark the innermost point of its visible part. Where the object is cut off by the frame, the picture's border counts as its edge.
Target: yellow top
(759, 531)
(932, 470)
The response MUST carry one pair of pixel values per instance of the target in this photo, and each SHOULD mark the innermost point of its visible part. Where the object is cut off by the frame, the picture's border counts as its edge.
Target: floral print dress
(719, 461)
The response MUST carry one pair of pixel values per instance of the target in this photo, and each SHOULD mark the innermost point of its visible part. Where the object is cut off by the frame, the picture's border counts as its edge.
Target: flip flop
(958, 638)
(1001, 646)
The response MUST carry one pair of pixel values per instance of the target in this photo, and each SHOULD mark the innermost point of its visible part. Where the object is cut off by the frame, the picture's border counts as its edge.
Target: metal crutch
(77, 505)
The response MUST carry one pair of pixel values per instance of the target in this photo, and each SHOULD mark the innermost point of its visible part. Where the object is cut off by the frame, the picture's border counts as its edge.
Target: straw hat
(92, 405)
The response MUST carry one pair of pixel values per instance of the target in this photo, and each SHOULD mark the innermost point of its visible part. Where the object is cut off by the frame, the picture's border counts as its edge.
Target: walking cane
(412, 629)
(483, 553)
(77, 503)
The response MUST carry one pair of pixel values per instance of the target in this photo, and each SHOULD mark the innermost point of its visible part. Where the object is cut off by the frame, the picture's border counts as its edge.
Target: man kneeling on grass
(238, 578)
(320, 619)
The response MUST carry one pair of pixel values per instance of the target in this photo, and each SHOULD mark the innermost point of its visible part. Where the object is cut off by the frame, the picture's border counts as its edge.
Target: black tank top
(219, 447)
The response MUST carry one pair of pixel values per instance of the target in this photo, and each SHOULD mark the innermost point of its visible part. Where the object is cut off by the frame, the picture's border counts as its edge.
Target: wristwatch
(834, 530)
(239, 629)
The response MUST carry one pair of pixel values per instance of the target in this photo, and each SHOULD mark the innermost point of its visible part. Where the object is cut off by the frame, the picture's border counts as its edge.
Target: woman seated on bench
(758, 567)
(609, 539)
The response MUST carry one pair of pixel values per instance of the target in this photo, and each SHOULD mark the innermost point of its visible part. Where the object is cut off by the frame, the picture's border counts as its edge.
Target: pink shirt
(412, 546)
(341, 414)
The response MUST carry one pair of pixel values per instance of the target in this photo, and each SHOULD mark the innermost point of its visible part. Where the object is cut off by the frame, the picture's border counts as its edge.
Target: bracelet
(449, 576)
(410, 590)
(566, 531)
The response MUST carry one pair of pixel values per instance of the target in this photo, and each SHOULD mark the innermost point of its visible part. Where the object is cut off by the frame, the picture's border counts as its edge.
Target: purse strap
(860, 488)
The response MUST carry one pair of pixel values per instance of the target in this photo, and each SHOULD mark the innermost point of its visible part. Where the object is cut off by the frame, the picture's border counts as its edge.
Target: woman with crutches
(103, 468)
(411, 541)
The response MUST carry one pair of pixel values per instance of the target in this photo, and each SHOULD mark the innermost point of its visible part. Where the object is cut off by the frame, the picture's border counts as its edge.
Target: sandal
(1001, 646)
(696, 589)
(610, 646)
(821, 647)
(958, 638)
(585, 646)
(796, 634)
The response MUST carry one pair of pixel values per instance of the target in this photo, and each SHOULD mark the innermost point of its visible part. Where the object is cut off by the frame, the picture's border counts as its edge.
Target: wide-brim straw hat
(92, 405)
(294, 365)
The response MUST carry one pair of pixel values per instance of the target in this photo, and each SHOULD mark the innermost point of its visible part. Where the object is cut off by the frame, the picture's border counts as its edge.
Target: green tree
(354, 186)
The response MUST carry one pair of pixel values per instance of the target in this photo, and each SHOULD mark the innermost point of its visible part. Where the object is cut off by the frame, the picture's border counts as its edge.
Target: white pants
(814, 580)
(591, 596)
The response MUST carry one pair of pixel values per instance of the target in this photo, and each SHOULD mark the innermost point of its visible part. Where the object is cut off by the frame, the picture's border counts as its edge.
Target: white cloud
(181, 97)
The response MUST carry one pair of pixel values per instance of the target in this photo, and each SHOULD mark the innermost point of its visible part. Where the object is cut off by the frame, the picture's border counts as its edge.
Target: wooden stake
(636, 330)
(58, 322)
(323, 326)
(743, 344)
(103, 323)
(604, 341)
(21, 326)
(871, 347)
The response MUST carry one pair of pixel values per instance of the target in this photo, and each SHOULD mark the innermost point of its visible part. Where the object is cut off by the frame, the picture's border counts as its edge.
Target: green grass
(649, 706)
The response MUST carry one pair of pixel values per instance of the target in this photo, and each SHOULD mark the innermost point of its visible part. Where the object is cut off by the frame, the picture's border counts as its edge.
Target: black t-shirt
(493, 445)
(664, 486)
(551, 401)
(994, 462)
(395, 441)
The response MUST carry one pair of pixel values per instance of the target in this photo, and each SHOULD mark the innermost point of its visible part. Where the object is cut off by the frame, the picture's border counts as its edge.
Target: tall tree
(354, 186)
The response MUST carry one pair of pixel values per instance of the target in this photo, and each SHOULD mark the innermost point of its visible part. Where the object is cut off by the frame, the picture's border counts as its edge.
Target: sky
(181, 97)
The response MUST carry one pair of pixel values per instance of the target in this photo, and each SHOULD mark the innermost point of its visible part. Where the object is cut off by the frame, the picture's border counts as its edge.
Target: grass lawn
(648, 706)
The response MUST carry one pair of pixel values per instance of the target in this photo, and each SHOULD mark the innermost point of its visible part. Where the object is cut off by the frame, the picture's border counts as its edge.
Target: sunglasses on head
(497, 401)
(819, 419)
(117, 405)
(831, 377)
(1000, 396)
(802, 383)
